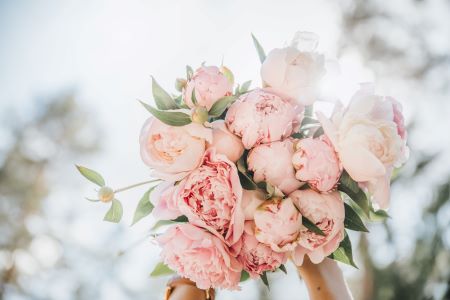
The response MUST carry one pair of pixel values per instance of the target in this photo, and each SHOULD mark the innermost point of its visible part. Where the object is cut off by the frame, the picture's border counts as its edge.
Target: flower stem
(136, 185)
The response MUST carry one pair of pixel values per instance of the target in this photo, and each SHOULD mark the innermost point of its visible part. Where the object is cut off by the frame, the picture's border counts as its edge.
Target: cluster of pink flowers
(255, 176)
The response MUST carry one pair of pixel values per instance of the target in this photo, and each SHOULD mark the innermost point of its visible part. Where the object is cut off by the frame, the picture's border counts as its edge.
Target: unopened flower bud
(199, 115)
(180, 83)
(106, 194)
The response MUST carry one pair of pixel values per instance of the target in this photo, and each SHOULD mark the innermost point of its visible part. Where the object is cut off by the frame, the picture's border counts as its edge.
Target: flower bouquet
(244, 179)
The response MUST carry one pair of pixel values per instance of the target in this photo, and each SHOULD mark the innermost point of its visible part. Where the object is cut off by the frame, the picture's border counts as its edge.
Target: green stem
(136, 185)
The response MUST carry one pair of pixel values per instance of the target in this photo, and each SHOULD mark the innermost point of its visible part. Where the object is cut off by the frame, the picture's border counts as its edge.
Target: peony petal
(360, 163)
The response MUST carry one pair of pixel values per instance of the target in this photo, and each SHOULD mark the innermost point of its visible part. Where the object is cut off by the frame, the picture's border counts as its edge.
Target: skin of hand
(325, 281)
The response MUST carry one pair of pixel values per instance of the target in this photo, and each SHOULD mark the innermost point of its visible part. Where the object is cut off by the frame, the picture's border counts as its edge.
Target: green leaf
(161, 269)
(189, 72)
(352, 189)
(283, 269)
(171, 118)
(91, 175)
(180, 103)
(318, 132)
(259, 49)
(244, 87)
(144, 207)
(264, 280)
(244, 276)
(221, 105)
(114, 214)
(246, 182)
(160, 223)
(378, 215)
(352, 220)
(162, 99)
(344, 252)
(194, 98)
(297, 135)
(311, 226)
(309, 120)
(309, 111)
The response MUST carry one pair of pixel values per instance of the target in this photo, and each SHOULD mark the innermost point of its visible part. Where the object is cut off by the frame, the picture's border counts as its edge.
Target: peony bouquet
(245, 179)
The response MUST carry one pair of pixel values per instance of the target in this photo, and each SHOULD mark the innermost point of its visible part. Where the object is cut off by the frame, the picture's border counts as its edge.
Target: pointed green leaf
(283, 269)
(115, 212)
(161, 269)
(352, 189)
(189, 72)
(144, 207)
(265, 280)
(352, 220)
(193, 97)
(378, 215)
(318, 132)
(311, 226)
(162, 99)
(245, 86)
(244, 276)
(259, 49)
(172, 118)
(160, 223)
(91, 175)
(221, 105)
(246, 182)
(344, 252)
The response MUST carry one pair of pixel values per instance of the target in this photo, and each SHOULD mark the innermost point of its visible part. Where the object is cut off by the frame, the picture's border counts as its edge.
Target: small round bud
(180, 83)
(106, 194)
(199, 115)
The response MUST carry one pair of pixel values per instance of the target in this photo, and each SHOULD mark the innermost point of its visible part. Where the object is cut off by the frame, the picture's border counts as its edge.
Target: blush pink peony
(272, 163)
(200, 256)
(173, 151)
(251, 200)
(211, 197)
(165, 202)
(225, 142)
(370, 139)
(261, 116)
(294, 73)
(256, 257)
(278, 223)
(327, 212)
(317, 163)
(210, 85)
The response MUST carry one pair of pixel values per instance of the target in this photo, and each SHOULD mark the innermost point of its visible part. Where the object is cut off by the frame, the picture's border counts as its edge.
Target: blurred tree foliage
(52, 132)
(407, 42)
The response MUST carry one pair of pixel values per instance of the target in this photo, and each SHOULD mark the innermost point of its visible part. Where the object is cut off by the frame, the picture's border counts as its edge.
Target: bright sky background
(107, 51)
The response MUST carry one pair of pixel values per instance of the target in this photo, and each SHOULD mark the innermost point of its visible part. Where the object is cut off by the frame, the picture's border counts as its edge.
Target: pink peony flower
(278, 223)
(261, 116)
(370, 139)
(173, 151)
(317, 163)
(251, 200)
(211, 197)
(272, 163)
(165, 202)
(257, 257)
(210, 85)
(293, 73)
(225, 142)
(200, 256)
(327, 212)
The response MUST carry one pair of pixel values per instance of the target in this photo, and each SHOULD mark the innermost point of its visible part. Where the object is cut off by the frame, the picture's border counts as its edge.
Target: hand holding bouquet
(249, 178)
